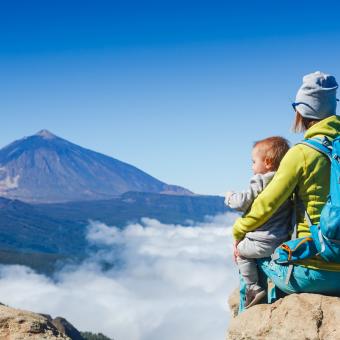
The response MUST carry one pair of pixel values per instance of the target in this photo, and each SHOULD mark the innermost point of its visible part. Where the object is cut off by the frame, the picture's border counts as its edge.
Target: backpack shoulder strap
(297, 206)
(324, 145)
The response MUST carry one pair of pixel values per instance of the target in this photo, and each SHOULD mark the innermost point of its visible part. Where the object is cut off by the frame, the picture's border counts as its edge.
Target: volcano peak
(46, 134)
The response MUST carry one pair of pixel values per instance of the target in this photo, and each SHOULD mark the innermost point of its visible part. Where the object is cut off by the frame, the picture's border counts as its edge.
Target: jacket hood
(329, 127)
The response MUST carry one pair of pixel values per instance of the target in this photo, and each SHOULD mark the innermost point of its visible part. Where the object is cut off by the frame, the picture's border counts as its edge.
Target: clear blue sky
(180, 89)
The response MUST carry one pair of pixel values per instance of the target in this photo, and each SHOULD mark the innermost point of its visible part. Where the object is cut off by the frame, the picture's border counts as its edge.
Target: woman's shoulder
(296, 152)
(299, 152)
(303, 160)
(293, 163)
(305, 151)
(299, 146)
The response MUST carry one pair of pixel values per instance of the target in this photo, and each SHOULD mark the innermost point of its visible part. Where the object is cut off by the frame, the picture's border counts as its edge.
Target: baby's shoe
(254, 296)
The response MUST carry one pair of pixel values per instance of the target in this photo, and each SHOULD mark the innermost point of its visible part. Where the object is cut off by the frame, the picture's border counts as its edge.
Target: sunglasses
(294, 105)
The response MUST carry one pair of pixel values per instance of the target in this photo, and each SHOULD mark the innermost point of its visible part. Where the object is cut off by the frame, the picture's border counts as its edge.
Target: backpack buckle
(326, 141)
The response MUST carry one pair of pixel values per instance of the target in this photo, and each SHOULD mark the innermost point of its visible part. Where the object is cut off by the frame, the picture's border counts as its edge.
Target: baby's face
(260, 165)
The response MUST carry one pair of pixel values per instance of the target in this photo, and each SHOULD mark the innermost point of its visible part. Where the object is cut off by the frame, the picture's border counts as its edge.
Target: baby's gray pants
(249, 250)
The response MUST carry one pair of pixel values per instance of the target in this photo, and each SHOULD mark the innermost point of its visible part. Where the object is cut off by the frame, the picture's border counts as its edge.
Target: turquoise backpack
(325, 236)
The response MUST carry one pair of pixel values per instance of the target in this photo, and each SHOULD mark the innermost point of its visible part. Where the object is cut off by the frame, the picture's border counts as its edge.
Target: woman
(307, 171)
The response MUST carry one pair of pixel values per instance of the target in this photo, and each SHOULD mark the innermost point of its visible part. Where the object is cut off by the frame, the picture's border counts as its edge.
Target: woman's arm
(274, 195)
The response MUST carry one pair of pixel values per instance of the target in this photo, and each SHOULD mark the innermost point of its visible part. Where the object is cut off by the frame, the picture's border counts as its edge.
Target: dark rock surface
(67, 328)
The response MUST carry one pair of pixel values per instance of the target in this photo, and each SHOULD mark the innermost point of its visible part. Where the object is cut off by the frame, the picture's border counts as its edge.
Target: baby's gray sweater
(278, 226)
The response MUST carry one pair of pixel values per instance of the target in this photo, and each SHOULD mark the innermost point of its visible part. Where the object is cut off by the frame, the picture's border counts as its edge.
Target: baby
(266, 156)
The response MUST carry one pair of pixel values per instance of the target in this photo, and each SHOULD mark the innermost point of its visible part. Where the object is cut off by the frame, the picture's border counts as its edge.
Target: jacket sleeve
(274, 195)
(241, 201)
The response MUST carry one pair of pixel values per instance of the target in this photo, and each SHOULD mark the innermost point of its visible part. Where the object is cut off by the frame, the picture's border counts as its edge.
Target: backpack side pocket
(295, 250)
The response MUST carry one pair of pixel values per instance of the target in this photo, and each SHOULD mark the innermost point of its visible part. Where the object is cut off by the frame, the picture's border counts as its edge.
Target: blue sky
(180, 89)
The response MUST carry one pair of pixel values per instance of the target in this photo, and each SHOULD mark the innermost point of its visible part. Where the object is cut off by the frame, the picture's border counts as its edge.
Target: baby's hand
(227, 196)
(235, 251)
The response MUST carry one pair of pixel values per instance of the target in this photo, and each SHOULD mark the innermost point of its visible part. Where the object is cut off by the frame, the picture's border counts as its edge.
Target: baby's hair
(274, 148)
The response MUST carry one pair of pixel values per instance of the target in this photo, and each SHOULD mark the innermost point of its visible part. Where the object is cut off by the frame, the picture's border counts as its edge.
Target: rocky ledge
(17, 324)
(295, 317)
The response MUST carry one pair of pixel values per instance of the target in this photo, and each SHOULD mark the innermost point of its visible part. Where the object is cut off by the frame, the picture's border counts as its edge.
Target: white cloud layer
(168, 282)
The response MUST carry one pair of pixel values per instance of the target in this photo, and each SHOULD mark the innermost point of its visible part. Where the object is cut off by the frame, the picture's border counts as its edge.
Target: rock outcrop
(64, 327)
(17, 324)
(295, 317)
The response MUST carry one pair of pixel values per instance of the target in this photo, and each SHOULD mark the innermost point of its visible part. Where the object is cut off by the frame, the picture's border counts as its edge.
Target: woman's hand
(235, 251)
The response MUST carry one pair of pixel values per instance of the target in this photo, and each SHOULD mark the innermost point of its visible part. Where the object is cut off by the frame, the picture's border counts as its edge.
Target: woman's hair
(302, 124)
(273, 148)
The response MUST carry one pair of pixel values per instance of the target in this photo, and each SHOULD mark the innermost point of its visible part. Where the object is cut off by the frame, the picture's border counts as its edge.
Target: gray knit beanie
(316, 98)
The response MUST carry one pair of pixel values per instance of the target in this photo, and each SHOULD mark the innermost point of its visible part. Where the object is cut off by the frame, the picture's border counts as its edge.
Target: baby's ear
(268, 163)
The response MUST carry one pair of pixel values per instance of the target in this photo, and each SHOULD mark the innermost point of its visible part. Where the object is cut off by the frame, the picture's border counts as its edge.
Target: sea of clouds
(166, 282)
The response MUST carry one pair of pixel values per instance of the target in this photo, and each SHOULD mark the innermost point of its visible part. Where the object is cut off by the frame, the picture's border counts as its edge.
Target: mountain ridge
(45, 168)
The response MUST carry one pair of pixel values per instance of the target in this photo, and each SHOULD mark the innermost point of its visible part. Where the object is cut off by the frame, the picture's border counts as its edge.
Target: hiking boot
(254, 296)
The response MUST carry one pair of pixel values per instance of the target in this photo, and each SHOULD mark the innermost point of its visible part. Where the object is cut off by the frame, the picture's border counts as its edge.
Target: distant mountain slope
(25, 228)
(46, 168)
(132, 206)
(41, 235)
